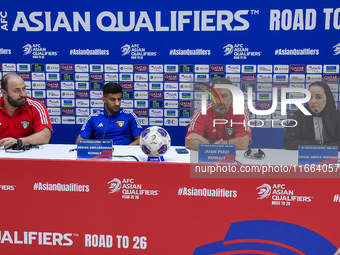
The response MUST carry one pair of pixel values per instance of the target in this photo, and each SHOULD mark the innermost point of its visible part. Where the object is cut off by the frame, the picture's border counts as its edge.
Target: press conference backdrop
(66, 50)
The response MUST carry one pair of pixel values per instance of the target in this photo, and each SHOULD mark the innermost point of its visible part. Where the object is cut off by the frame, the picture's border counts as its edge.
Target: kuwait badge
(25, 124)
(120, 123)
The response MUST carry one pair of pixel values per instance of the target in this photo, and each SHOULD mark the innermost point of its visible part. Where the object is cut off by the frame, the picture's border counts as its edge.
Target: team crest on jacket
(25, 124)
(230, 131)
(120, 123)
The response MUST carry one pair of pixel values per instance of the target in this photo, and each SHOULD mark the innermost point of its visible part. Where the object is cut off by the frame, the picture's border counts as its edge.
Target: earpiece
(254, 154)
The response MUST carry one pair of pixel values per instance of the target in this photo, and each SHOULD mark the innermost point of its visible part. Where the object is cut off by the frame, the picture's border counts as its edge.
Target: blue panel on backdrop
(260, 44)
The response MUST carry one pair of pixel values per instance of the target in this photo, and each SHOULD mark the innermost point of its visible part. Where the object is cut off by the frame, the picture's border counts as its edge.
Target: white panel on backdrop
(170, 68)
(111, 68)
(81, 68)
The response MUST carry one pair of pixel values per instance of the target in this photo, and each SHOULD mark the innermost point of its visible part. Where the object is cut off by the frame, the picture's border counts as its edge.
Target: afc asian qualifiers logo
(280, 194)
(264, 191)
(268, 237)
(130, 189)
(27, 49)
(336, 49)
(136, 51)
(125, 49)
(228, 49)
(24, 124)
(115, 185)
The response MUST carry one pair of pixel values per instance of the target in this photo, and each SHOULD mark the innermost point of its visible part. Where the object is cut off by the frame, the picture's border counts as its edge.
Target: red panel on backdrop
(100, 207)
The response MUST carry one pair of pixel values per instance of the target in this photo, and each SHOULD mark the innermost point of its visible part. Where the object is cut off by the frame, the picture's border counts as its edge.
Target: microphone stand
(108, 117)
(226, 131)
(225, 127)
(317, 119)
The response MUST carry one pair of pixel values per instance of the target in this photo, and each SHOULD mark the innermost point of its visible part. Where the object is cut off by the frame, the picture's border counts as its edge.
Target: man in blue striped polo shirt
(119, 125)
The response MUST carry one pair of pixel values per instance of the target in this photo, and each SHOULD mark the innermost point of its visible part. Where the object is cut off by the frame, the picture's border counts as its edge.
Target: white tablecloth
(62, 151)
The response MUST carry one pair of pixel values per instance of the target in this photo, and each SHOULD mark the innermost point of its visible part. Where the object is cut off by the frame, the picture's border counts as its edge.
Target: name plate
(94, 149)
(216, 153)
(318, 155)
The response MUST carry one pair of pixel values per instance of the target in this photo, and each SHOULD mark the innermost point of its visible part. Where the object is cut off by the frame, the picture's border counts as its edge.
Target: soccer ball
(155, 141)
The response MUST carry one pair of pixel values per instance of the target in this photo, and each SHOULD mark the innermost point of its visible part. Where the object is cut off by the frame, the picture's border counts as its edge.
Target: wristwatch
(212, 141)
(19, 142)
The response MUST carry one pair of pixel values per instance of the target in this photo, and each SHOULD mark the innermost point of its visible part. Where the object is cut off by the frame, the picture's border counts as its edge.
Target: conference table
(54, 203)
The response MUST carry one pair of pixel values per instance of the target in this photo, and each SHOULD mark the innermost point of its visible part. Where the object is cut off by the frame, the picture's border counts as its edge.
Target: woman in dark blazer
(325, 118)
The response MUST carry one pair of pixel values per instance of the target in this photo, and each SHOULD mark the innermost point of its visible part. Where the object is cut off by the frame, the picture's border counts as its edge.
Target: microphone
(108, 117)
(317, 119)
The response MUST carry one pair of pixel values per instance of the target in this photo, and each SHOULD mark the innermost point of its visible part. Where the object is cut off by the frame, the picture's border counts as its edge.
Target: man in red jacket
(202, 129)
(23, 120)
